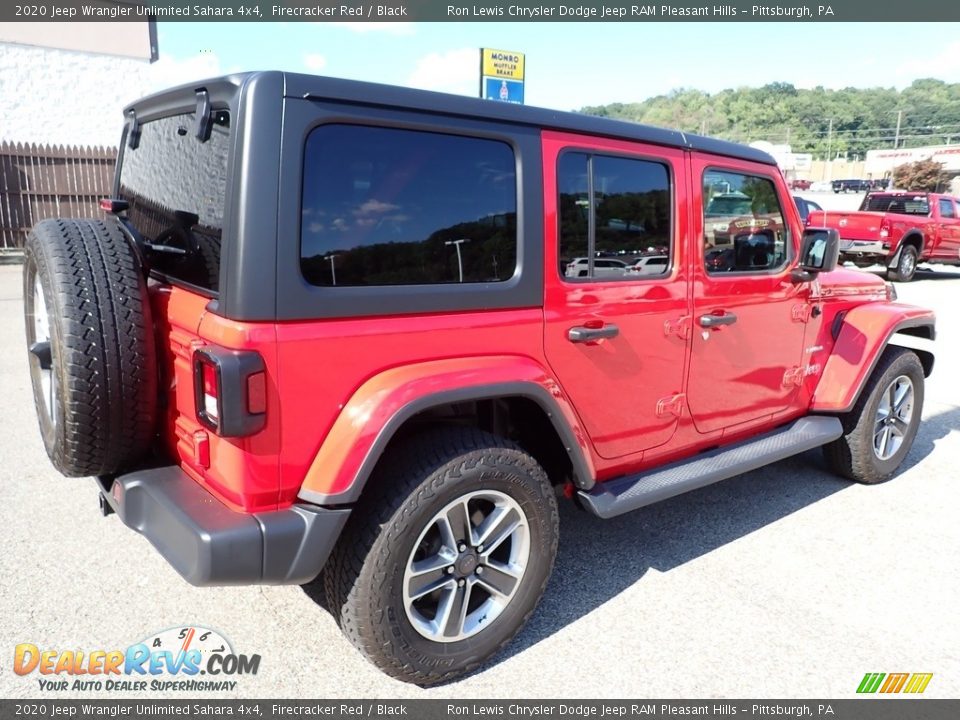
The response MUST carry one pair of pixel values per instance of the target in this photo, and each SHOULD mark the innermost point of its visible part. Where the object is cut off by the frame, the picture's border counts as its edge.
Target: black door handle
(585, 334)
(709, 321)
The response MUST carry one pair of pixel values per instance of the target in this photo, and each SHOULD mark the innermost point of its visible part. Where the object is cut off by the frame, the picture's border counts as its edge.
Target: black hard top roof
(316, 87)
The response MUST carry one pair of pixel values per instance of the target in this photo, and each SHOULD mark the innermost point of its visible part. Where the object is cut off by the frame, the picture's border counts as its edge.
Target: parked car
(321, 328)
(821, 186)
(650, 265)
(805, 207)
(840, 186)
(898, 230)
(722, 210)
(602, 267)
(798, 184)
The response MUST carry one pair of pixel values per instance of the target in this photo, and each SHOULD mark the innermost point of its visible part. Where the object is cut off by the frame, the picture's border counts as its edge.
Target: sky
(570, 65)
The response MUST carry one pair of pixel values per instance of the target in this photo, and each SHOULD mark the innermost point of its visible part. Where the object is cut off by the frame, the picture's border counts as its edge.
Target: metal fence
(41, 181)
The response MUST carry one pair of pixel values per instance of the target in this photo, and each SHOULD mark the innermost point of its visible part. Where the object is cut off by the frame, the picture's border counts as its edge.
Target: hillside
(863, 119)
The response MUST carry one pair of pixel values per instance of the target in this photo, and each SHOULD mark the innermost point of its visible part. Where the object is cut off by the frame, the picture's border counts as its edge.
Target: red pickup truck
(897, 229)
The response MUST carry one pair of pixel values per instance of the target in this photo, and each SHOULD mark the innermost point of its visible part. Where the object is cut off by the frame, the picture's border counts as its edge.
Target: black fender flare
(582, 469)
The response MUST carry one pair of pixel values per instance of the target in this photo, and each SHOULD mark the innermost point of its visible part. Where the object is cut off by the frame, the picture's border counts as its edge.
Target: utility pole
(333, 268)
(457, 244)
(829, 147)
(896, 138)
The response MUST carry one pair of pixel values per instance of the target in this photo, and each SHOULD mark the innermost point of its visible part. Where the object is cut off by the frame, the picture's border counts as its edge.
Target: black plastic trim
(207, 543)
(233, 368)
(582, 477)
(204, 120)
(615, 497)
(323, 88)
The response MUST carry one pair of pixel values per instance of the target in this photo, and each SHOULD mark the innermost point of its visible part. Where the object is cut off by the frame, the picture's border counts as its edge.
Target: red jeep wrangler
(326, 326)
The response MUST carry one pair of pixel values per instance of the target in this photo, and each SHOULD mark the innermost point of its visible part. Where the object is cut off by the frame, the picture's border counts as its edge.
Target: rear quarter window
(386, 206)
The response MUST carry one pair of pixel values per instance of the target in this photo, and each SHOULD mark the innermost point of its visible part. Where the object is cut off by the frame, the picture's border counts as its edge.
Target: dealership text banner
(439, 11)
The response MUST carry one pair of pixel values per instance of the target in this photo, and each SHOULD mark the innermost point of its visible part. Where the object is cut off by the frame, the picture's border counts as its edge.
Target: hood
(851, 283)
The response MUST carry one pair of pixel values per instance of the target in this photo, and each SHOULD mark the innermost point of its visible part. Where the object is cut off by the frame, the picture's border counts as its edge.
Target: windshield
(729, 205)
(175, 186)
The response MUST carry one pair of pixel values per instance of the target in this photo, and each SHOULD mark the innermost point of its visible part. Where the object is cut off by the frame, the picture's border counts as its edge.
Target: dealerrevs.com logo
(894, 683)
(190, 659)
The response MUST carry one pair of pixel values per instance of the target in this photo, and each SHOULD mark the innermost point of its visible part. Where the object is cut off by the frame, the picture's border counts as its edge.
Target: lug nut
(450, 570)
(479, 571)
(463, 548)
(479, 548)
(461, 582)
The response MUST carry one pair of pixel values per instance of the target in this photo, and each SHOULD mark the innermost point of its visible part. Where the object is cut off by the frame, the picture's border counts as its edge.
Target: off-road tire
(102, 347)
(906, 266)
(415, 479)
(852, 456)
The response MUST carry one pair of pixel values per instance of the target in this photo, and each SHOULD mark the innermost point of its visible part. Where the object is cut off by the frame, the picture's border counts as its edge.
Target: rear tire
(906, 266)
(878, 433)
(375, 576)
(92, 353)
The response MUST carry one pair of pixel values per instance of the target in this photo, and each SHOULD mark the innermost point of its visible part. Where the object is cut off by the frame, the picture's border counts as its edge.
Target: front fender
(864, 333)
(383, 403)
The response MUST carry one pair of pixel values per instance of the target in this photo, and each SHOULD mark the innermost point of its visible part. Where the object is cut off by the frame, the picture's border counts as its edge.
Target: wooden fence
(40, 181)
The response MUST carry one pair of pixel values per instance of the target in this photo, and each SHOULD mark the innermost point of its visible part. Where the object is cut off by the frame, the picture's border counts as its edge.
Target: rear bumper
(210, 544)
(863, 247)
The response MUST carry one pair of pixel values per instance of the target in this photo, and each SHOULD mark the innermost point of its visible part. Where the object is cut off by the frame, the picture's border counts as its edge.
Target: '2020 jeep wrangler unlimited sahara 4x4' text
(327, 326)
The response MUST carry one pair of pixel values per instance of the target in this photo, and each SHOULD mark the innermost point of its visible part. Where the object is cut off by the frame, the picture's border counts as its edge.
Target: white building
(880, 163)
(67, 83)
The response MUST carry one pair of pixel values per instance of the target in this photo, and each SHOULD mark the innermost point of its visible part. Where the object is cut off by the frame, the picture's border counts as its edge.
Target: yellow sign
(502, 64)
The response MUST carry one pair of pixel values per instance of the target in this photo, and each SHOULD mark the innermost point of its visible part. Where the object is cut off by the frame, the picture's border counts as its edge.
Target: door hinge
(801, 312)
(679, 327)
(672, 405)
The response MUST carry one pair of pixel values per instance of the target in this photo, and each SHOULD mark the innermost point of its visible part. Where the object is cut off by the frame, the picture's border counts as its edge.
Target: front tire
(446, 556)
(880, 430)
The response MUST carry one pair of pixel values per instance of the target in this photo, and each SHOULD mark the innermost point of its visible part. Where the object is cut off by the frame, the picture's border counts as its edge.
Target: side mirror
(819, 251)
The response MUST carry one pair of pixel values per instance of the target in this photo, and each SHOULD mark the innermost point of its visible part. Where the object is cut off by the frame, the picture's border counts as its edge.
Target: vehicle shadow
(598, 559)
(923, 273)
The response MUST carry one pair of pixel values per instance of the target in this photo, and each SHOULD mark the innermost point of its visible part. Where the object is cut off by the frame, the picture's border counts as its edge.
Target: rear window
(901, 204)
(385, 206)
(176, 189)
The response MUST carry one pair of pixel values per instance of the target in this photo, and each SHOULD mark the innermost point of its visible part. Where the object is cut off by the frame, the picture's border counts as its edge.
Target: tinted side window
(614, 215)
(176, 189)
(383, 206)
(946, 208)
(744, 229)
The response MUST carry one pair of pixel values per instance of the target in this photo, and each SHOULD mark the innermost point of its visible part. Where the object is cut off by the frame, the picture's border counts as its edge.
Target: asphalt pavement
(785, 582)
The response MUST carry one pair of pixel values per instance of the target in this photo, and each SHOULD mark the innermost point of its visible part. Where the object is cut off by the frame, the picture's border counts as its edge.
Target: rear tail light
(231, 390)
(113, 205)
(209, 405)
(885, 228)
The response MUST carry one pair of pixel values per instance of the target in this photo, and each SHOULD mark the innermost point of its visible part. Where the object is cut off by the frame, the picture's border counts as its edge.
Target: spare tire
(93, 362)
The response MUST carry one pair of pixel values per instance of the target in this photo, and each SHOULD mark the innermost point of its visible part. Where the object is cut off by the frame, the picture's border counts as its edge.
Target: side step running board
(616, 497)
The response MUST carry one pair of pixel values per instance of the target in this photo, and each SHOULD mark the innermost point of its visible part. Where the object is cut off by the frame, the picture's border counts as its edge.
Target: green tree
(920, 176)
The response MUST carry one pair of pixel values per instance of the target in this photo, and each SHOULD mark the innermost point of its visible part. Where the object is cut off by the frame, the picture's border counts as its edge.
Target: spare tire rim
(893, 418)
(42, 351)
(466, 566)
